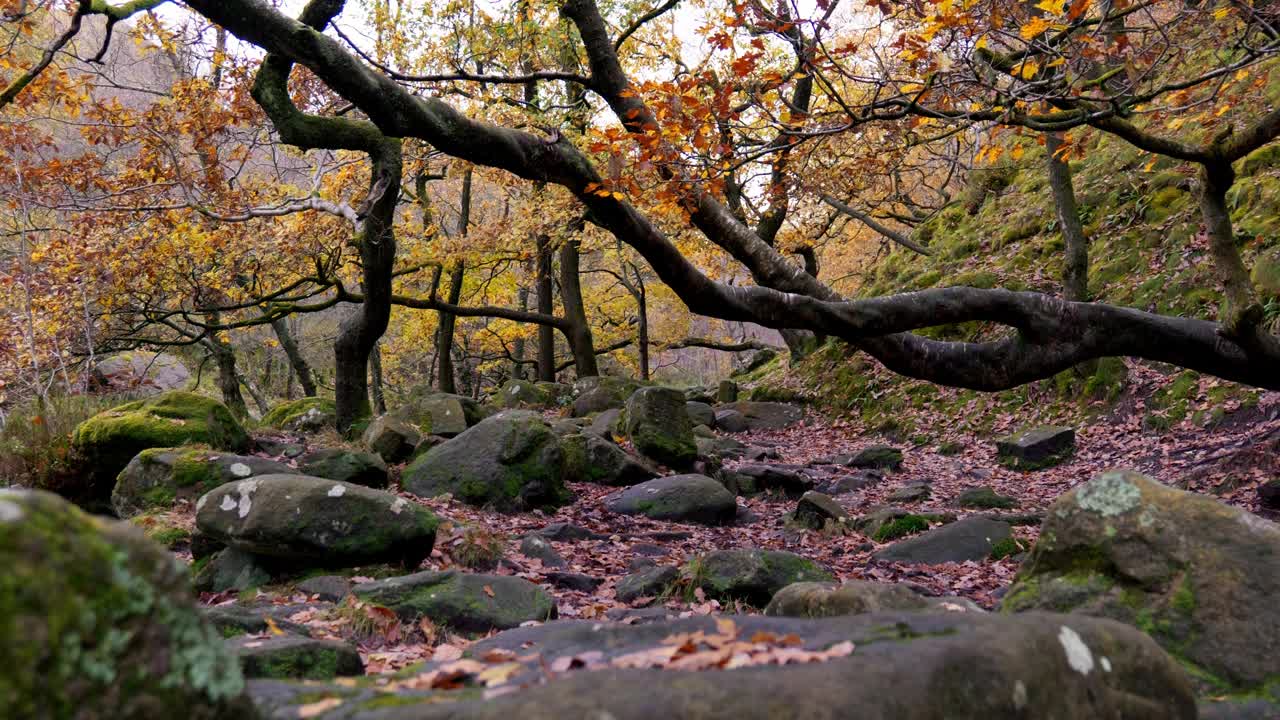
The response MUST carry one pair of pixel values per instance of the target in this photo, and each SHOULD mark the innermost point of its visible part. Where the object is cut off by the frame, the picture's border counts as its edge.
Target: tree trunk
(1237, 289)
(517, 351)
(297, 362)
(642, 331)
(546, 306)
(575, 311)
(259, 398)
(1075, 261)
(228, 379)
(360, 331)
(446, 379)
(375, 379)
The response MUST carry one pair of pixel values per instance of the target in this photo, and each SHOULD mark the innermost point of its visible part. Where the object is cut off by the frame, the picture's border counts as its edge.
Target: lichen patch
(1078, 655)
(1111, 493)
(337, 491)
(241, 470)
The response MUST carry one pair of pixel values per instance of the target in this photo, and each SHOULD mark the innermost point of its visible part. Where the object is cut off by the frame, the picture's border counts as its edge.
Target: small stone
(567, 532)
(915, 492)
(985, 498)
(815, 509)
(878, 457)
(573, 581)
(470, 602)
(651, 582)
(535, 546)
(331, 588)
(1036, 448)
(731, 421)
(700, 413)
(295, 656)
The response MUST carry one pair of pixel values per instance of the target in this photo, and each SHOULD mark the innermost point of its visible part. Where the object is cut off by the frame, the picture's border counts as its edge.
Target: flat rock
(765, 415)
(158, 477)
(985, 498)
(332, 588)
(649, 582)
(353, 466)
(1037, 447)
(295, 656)
(752, 575)
(753, 478)
(682, 498)
(904, 666)
(855, 597)
(469, 602)
(875, 457)
(574, 581)
(915, 492)
(814, 510)
(966, 539)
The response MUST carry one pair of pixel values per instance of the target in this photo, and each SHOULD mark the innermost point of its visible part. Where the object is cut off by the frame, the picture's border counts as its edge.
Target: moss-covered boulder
(1036, 448)
(591, 458)
(308, 414)
(353, 466)
(973, 538)
(156, 478)
(313, 522)
(855, 597)
(597, 393)
(903, 666)
(295, 656)
(752, 575)
(392, 438)
(681, 498)
(109, 440)
(877, 457)
(985, 498)
(1199, 576)
(462, 601)
(437, 413)
(510, 462)
(657, 423)
(97, 622)
(524, 393)
(649, 582)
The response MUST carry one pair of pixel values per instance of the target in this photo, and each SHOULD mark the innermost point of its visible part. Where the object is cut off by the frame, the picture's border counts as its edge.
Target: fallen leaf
(318, 707)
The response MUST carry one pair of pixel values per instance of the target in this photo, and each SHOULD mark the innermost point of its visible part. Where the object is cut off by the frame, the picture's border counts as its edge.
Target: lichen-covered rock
(391, 438)
(658, 426)
(308, 414)
(904, 666)
(700, 413)
(360, 468)
(815, 510)
(1037, 448)
(1199, 576)
(727, 391)
(760, 415)
(855, 597)
(230, 569)
(462, 601)
(598, 393)
(876, 457)
(650, 582)
(109, 440)
(985, 498)
(972, 538)
(295, 656)
(510, 462)
(681, 498)
(157, 477)
(597, 460)
(437, 413)
(97, 623)
(752, 575)
(313, 522)
(523, 393)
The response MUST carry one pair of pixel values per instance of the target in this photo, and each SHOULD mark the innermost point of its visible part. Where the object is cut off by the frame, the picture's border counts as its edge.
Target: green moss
(1264, 158)
(281, 415)
(900, 527)
(1007, 547)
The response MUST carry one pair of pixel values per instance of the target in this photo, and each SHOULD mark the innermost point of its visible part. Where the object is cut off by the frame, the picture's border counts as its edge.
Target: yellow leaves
(1221, 12)
(1053, 7)
(1027, 69)
(1033, 28)
(1017, 152)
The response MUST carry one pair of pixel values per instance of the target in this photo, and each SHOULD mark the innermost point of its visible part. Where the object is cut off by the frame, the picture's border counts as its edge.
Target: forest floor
(1228, 462)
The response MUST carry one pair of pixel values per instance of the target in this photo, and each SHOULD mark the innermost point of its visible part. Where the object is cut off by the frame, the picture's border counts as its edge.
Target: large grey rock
(98, 623)
(437, 413)
(731, 421)
(510, 462)
(230, 569)
(360, 468)
(536, 546)
(765, 477)
(876, 457)
(658, 426)
(682, 498)
(523, 393)
(141, 372)
(597, 460)
(304, 415)
(752, 575)
(158, 477)
(1199, 576)
(392, 438)
(461, 601)
(649, 582)
(856, 597)
(700, 413)
(764, 415)
(315, 522)
(607, 423)
(968, 539)
(295, 656)
(598, 393)
(727, 391)
(1037, 447)
(815, 510)
(904, 666)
